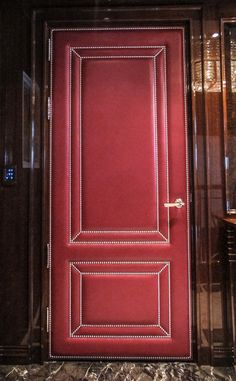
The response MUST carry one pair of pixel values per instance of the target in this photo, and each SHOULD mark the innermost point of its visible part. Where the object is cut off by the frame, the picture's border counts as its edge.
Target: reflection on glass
(229, 86)
(30, 128)
(212, 64)
(212, 75)
(233, 61)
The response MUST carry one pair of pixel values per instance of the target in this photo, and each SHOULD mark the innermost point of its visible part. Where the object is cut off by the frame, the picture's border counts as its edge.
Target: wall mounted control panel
(9, 175)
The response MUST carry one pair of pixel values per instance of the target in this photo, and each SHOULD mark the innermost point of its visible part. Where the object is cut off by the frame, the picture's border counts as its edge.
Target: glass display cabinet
(228, 51)
(229, 110)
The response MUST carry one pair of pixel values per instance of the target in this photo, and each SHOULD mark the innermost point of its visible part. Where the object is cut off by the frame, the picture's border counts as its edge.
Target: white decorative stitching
(156, 138)
(70, 282)
(70, 153)
(166, 140)
(123, 357)
(122, 336)
(112, 57)
(155, 126)
(118, 242)
(72, 49)
(75, 268)
(50, 204)
(121, 325)
(72, 266)
(119, 262)
(81, 300)
(166, 333)
(80, 145)
(50, 214)
(120, 47)
(119, 273)
(118, 231)
(164, 267)
(74, 332)
(158, 300)
(187, 191)
(169, 281)
(166, 239)
(156, 55)
(117, 28)
(158, 325)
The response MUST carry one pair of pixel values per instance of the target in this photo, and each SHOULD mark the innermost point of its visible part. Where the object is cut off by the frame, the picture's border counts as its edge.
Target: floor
(113, 371)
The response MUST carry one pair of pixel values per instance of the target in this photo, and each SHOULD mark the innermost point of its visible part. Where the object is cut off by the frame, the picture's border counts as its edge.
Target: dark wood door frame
(141, 16)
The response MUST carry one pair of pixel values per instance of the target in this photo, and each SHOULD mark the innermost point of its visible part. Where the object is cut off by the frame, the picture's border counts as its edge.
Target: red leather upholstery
(119, 259)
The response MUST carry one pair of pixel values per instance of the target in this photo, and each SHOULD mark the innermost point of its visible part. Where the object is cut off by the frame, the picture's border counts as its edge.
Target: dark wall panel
(16, 287)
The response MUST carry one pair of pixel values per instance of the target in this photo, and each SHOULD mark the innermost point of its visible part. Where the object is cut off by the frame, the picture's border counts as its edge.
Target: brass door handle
(177, 204)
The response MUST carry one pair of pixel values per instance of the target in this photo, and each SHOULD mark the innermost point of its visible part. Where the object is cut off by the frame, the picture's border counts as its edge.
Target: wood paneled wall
(22, 259)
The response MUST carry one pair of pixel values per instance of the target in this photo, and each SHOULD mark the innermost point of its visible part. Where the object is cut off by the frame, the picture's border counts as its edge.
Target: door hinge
(49, 49)
(49, 108)
(47, 319)
(48, 255)
(190, 197)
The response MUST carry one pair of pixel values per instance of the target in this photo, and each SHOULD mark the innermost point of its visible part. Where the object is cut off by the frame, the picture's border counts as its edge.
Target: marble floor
(115, 371)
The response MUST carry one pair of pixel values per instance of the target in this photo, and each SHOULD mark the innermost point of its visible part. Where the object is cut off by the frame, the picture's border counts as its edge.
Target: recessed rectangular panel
(125, 299)
(118, 145)
(118, 130)
(133, 297)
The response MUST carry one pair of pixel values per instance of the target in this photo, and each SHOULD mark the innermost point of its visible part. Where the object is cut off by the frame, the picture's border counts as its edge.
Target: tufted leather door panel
(119, 268)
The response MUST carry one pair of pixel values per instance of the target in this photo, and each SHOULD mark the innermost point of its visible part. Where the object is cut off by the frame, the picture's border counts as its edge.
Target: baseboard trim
(10, 354)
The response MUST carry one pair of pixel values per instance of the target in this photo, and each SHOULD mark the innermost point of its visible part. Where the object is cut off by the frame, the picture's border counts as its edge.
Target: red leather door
(119, 268)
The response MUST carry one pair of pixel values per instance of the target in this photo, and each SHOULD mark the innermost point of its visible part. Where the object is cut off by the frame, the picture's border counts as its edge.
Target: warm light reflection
(212, 76)
(212, 64)
(233, 64)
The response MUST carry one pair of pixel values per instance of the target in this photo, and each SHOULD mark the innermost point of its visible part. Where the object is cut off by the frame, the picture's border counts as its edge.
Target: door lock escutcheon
(177, 204)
